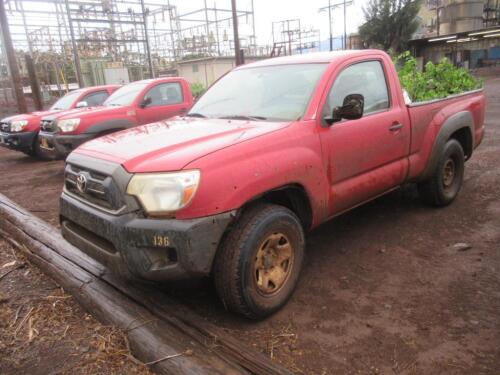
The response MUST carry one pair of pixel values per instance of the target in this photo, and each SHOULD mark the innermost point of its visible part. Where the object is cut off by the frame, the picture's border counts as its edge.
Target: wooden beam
(161, 321)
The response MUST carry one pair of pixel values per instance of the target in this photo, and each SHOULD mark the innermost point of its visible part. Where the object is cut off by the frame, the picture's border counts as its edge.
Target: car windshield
(125, 95)
(273, 93)
(66, 101)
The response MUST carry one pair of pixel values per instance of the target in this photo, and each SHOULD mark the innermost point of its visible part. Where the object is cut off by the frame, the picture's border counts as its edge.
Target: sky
(267, 11)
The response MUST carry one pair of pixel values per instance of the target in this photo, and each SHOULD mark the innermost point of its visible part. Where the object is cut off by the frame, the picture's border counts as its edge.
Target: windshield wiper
(196, 115)
(243, 117)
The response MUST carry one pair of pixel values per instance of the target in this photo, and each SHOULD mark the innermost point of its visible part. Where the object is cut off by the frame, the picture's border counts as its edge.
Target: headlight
(18, 126)
(164, 193)
(68, 125)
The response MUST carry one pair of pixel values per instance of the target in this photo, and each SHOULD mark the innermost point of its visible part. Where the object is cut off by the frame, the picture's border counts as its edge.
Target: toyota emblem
(81, 183)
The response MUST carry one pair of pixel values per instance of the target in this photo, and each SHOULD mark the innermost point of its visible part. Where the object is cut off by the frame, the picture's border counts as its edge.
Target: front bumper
(18, 141)
(148, 249)
(60, 144)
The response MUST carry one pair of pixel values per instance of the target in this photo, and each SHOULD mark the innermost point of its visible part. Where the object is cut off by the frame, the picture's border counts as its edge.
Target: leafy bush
(197, 89)
(436, 81)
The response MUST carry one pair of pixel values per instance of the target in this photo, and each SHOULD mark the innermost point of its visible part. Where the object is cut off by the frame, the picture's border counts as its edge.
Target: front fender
(109, 125)
(238, 174)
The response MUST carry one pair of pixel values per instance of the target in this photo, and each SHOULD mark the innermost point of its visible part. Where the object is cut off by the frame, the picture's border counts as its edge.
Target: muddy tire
(445, 183)
(258, 263)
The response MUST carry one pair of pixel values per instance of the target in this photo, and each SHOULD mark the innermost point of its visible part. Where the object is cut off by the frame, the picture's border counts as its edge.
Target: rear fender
(453, 123)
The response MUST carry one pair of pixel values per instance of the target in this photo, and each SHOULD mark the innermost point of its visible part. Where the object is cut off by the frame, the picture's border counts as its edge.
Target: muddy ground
(385, 288)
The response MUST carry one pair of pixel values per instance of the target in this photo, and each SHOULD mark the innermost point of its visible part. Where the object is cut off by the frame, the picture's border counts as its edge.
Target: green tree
(389, 24)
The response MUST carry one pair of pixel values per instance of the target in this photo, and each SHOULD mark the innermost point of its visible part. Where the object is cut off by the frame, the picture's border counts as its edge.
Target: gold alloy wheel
(448, 173)
(273, 263)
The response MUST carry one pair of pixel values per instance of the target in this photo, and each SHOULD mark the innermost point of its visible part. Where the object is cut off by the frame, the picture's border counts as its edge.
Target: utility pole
(330, 23)
(76, 58)
(12, 62)
(345, 29)
(35, 86)
(237, 52)
(330, 6)
(146, 39)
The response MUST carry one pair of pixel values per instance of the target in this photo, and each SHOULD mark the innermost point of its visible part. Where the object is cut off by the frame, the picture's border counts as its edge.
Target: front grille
(5, 127)
(48, 126)
(99, 189)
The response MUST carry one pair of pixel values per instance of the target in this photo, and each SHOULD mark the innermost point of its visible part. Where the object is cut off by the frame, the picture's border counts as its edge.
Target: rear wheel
(445, 183)
(258, 264)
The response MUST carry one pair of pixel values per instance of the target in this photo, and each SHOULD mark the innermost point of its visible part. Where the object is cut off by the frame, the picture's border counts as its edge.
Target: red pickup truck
(271, 150)
(137, 103)
(20, 132)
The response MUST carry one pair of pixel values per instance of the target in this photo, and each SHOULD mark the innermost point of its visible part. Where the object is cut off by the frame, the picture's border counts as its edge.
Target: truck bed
(428, 117)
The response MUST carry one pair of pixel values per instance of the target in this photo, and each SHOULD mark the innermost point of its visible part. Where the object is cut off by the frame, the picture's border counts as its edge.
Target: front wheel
(445, 183)
(258, 264)
(38, 152)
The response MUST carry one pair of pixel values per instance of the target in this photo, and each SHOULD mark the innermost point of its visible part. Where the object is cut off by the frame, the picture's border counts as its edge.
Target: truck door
(163, 100)
(368, 156)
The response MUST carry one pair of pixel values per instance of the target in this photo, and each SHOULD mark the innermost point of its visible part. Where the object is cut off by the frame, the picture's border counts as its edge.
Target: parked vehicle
(137, 103)
(271, 150)
(20, 132)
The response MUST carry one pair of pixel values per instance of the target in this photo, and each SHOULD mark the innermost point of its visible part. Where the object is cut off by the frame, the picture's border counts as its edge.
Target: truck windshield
(125, 95)
(66, 101)
(273, 93)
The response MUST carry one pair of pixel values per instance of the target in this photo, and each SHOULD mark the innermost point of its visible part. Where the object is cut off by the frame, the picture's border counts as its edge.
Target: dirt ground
(43, 330)
(389, 288)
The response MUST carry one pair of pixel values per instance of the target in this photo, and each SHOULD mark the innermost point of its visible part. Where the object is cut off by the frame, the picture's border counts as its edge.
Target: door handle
(395, 127)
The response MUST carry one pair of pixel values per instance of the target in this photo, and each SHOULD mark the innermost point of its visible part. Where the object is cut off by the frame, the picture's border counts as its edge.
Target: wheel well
(293, 197)
(464, 136)
(109, 131)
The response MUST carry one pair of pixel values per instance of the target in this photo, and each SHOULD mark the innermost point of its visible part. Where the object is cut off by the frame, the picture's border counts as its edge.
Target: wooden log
(213, 347)
(150, 338)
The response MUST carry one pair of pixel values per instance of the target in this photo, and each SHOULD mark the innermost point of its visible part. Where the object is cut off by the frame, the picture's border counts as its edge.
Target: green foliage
(389, 24)
(197, 89)
(436, 81)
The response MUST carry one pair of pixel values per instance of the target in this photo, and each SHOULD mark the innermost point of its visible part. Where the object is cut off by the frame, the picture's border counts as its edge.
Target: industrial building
(465, 31)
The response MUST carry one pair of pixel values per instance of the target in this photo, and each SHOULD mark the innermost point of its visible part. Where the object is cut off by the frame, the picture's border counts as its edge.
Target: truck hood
(87, 112)
(172, 144)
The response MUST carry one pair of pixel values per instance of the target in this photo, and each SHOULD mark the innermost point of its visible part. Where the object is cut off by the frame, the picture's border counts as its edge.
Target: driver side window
(165, 94)
(365, 78)
(96, 98)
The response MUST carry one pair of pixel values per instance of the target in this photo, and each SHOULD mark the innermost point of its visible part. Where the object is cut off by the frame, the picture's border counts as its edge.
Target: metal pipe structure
(76, 58)
(330, 7)
(148, 50)
(12, 61)
(237, 52)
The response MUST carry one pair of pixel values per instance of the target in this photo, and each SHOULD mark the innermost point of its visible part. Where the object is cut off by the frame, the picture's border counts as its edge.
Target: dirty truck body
(20, 132)
(137, 103)
(273, 149)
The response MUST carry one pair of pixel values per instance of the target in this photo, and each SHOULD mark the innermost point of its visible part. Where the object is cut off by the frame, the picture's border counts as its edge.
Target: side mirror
(352, 109)
(145, 102)
(82, 104)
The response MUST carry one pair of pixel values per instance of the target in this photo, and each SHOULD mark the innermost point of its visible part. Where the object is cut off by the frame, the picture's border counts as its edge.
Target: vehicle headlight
(18, 126)
(163, 193)
(68, 125)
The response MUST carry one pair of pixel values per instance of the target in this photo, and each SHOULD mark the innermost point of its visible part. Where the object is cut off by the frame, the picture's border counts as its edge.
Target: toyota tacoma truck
(20, 132)
(270, 151)
(134, 104)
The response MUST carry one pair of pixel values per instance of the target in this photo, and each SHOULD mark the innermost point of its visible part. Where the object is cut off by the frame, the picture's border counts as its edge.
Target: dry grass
(42, 328)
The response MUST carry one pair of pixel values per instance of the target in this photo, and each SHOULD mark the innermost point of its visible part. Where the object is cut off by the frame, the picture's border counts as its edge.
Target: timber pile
(171, 337)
